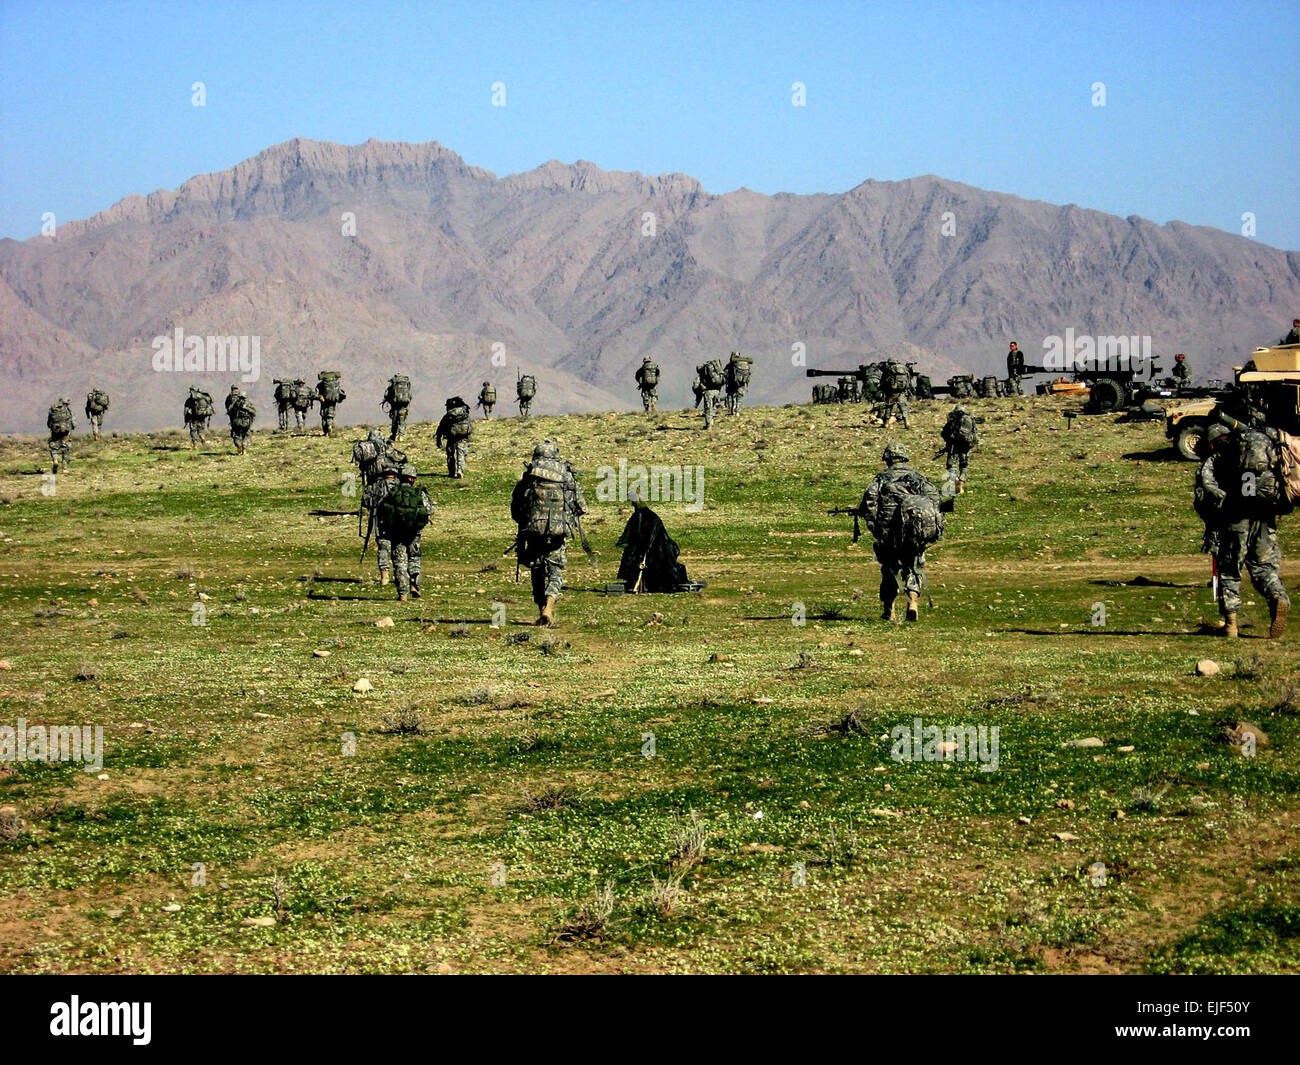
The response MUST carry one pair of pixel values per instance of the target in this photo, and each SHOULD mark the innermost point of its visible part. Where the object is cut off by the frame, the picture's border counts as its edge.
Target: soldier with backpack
(241, 414)
(547, 505)
(96, 405)
(901, 508)
(60, 424)
(397, 398)
(402, 515)
(739, 368)
(303, 397)
(284, 392)
(1245, 489)
(647, 380)
(487, 399)
(960, 437)
(525, 390)
(711, 378)
(894, 383)
(198, 411)
(329, 393)
(454, 431)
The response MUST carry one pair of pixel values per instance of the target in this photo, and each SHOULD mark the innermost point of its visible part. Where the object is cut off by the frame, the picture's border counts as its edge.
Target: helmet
(409, 471)
(894, 453)
(546, 450)
(959, 409)
(1214, 432)
(376, 436)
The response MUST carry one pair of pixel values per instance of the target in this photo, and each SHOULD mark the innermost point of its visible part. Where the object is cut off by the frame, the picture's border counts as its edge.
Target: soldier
(1241, 487)
(397, 398)
(241, 414)
(1182, 371)
(960, 437)
(901, 508)
(737, 380)
(487, 399)
(96, 405)
(198, 411)
(525, 390)
(894, 382)
(283, 401)
(402, 513)
(303, 398)
(711, 378)
(844, 389)
(1015, 369)
(1293, 337)
(329, 390)
(60, 424)
(547, 505)
(647, 380)
(454, 430)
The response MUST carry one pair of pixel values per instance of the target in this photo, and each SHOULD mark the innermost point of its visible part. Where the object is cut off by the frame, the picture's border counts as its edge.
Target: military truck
(1270, 383)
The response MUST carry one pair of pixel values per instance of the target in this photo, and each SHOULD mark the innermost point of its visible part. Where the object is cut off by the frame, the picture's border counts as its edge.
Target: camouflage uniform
(877, 509)
(60, 451)
(546, 555)
(195, 422)
(1247, 534)
(96, 418)
(403, 552)
(302, 401)
(239, 437)
(958, 449)
(1182, 372)
(283, 400)
(328, 407)
(373, 495)
(735, 389)
(487, 398)
(894, 392)
(457, 446)
(649, 393)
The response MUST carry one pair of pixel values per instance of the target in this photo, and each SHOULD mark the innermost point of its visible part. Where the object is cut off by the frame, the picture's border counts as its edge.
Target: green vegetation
(490, 805)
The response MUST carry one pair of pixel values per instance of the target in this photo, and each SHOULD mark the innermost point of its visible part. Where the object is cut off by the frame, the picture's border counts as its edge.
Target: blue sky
(1201, 122)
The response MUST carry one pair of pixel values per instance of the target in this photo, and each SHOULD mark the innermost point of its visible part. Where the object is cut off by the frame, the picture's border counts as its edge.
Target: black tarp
(644, 537)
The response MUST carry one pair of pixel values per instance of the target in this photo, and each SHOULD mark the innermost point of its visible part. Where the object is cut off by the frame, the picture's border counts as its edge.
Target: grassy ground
(490, 805)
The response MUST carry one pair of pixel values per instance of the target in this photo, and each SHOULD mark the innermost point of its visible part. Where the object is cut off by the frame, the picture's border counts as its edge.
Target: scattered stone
(1126, 750)
(1024, 820)
(1064, 837)
(258, 922)
(363, 685)
(321, 654)
(1065, 804)
(1237, 735)
(384, 623)
(6, 665)
(175, 907)
(1207, 667)
(856, 652)
(1087, 741)
(880, 811)
(1118, 815)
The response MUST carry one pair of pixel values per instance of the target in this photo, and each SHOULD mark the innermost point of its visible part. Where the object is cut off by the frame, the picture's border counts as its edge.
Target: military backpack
(894, 378)
(488, 394)
(1261, 457)
(960, 430)
(329, 385)
(738, 372)
(59, 420)
(711, 374)
(284, 392)
(97, 401)
(917, 523)
(458, 422)
(399, 390)
(402, 514)
(649, 374)
(546, 511)
(242, 414)
(200, 404)
(526, 387)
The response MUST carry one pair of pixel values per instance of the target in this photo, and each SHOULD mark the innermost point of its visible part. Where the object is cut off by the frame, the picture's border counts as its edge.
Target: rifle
(857, 515)
(644, 555)
(370, 528)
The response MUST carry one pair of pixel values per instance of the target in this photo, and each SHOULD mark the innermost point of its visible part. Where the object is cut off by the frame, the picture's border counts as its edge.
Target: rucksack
(303, 397)
(402, 513)
(458, 424)
(649, 374)
(546, 512)
(738, 371)
(201, 405)
(917, 523)
(960, 429)
(711, 374)
(242, 414)
(97, 401)
(895, 378)
(365, 453)
(59, 420)
(1261, 456)
(526, 387)
(399, 389)
(487, 395)
(924, 388)
(284, 392)
(328, 385)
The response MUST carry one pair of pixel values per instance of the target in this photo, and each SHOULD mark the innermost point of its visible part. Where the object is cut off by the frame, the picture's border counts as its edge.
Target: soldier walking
(241, 414)
(397, 398)
(547, 505)
(329, 392)
(60, 424)
(960, 438)
(739, 368)
(198, 411)
(487, 399)
(284, 392)
(894, 382)
(647, 380)
(711, 378)
(402, 514)
(525, 391)
(454, 432)
(96, 406)
(303, 398)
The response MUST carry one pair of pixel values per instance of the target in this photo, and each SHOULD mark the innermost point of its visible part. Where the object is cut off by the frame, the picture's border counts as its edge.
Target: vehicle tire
(1106, 394)
(1191, 434)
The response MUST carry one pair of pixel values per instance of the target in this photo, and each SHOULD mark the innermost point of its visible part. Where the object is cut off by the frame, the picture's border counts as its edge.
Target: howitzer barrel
(832, 373)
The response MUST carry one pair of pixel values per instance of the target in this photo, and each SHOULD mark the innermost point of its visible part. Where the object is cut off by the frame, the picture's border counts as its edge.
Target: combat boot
(913, 606)
(1277, 610)
(961, 488)
(401, 597)
(1230, 624)
(415, 590)
(383, 577)
(887, 611)
(548, 612)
